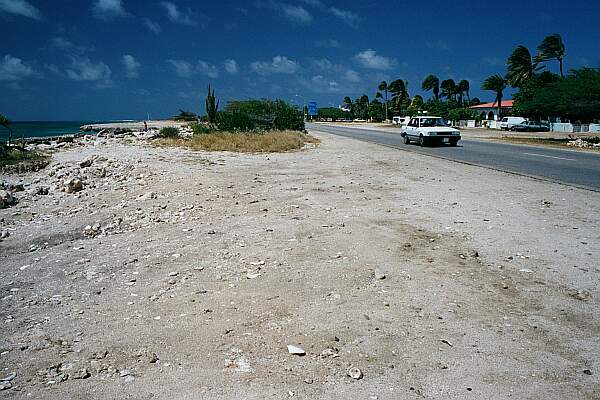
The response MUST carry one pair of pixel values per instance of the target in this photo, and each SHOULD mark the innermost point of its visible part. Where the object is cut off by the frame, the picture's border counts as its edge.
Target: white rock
(295, 350)
(355, 373)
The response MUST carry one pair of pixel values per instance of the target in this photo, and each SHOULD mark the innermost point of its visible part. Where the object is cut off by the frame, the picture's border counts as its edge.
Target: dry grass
(270, 142)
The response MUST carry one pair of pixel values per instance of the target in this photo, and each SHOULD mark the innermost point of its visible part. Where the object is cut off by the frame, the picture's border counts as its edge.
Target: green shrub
(169, 132)
(259, 115)
(201, 129)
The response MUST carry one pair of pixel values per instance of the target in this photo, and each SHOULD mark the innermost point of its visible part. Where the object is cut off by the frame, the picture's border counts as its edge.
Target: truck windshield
(427, 122)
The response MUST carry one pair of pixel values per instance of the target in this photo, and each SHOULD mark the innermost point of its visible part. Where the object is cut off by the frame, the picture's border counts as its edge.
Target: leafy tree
(211, 106)
(463, 88)
(521, 66)
(383, 87)
(576, 97)
(432, 82)
(552, 48)
(496, 84)
(475, 101)
(333, 113)
(448, 87)
(376, 111)
(187, 116)
(5, 122)
(458, 114)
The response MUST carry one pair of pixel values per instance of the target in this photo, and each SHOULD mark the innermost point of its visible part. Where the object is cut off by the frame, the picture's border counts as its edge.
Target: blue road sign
(312, 108)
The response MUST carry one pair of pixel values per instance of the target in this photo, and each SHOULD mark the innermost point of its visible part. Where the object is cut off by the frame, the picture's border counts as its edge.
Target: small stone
(252, 275)
(9, 377)
(86, 163)
(355, 373)
(5, 385)
(329, 353)
(83, 373)
(379, 274)
(152, 358)
(295, 350)
(587, 372)
(73, 185)
(308, 380)
(6, 199)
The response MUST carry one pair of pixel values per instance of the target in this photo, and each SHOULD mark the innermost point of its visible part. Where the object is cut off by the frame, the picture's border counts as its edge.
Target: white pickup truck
(428, 130)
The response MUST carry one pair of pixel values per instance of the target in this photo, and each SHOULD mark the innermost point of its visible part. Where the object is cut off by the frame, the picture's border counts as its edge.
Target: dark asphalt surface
(576, 168)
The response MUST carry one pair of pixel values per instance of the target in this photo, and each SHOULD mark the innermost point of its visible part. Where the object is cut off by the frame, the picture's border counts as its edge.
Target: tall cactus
(211, 106)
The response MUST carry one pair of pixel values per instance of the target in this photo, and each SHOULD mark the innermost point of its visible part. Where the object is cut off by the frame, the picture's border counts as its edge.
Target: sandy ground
(185, 275)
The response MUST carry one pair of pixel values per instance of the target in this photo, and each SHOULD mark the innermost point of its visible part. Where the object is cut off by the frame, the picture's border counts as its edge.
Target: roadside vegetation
(254, 126)
(541, 93)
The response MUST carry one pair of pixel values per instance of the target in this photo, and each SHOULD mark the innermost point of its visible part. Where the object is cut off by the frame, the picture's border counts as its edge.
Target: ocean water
(42, 128)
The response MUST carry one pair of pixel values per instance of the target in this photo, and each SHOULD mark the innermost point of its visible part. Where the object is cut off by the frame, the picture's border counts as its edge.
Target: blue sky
(113, 59)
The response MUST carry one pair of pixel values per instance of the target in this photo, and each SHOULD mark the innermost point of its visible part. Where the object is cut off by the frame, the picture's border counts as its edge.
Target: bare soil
(183, 274)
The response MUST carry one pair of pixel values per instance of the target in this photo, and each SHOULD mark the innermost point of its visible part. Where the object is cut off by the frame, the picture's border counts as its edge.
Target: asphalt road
(576, 168)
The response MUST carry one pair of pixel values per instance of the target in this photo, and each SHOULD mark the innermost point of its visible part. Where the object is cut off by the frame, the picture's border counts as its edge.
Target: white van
(402, 121)
(509, 122)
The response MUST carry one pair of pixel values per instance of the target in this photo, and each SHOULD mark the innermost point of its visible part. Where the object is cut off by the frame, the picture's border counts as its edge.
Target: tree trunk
(499, 98)
(560, 63)
(386, 105)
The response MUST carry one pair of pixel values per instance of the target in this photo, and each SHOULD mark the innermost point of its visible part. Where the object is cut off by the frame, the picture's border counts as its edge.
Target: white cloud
(231, 66)
(152, 26)
(438, 45)
(207, 69)
(188, 18)
(351, 76)
(313, 3)
(294, 13)
(20, 7)
(64, 44)
(186, 69)
(328, 43)
(279, 65)
(297, 14)
(12, 69)
(83, 69)
(132, 66)
(348, 17)
(109, 9)
(182, 68)
(370, 59)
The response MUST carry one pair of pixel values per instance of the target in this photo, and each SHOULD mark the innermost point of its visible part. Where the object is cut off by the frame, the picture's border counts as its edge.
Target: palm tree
(497, 84)
(552, 48)
(521, 66)
(448, 88)
(432, 82)
(416, 102)
(383, 86)
(399, 92)
(464, 86)
(5, 122)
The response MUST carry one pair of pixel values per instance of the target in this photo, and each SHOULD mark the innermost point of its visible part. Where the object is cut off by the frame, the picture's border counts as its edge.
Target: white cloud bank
(279, 65)
(132, 66)
(20, 7)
